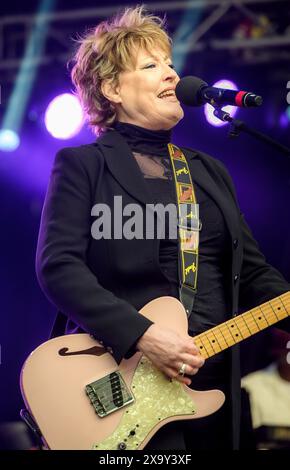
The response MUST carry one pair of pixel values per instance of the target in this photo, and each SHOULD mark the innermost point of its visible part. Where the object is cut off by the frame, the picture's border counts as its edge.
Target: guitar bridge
(109, 394)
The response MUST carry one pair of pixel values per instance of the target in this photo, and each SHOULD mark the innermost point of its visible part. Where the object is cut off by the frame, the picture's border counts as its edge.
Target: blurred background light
(285, 118)
(27, 73)
(9, 140)
(209, 110)
(64, 116)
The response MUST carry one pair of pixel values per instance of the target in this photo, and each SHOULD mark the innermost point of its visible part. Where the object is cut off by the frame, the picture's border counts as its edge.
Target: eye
(149, 66)
(172, 66)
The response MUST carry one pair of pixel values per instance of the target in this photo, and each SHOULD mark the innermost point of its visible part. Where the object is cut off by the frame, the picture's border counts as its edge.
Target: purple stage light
(64, 116)
(208, 109)
(9, 140)
(284, 119)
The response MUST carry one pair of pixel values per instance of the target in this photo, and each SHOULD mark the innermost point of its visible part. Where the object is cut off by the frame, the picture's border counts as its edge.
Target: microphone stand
(236, 126)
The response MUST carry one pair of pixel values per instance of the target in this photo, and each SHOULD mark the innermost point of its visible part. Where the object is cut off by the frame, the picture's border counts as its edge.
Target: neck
(144, 141)
(243, 326)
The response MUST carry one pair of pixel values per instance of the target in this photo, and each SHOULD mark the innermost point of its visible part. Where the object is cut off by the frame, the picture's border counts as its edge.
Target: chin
(176, 118)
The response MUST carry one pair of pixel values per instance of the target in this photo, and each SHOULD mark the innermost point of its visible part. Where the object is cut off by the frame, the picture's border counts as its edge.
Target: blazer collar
(212, 182)
(124, 168)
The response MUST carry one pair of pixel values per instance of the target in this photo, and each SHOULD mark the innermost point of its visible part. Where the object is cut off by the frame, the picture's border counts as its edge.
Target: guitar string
(216, 352)
(225, 327)
(252, 321)
(115, 395)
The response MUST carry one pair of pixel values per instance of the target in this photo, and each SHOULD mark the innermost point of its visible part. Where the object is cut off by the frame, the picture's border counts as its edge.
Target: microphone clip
(234, 131)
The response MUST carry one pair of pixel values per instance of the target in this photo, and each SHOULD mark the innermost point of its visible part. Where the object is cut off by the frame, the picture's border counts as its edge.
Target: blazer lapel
(205, 176)
(123, 166)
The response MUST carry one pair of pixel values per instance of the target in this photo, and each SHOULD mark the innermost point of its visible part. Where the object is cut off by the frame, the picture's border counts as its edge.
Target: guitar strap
(189, 226)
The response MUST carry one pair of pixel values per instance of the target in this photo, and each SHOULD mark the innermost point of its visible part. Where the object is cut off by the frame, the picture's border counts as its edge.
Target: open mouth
(166, 94)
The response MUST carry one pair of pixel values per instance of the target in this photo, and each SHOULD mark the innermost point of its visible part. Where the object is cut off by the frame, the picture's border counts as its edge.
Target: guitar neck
(243, 326)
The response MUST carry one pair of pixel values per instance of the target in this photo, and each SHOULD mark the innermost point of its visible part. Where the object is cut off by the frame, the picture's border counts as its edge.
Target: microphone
(193, 91)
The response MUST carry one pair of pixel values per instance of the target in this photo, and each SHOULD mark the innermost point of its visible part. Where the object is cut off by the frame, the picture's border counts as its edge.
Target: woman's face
(139, 92)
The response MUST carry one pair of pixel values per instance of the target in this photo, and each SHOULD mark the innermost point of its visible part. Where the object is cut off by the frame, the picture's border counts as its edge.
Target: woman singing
(125, 79)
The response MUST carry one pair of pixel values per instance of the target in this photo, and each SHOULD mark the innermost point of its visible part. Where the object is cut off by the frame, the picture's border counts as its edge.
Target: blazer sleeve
(259, 281)
(61, 268)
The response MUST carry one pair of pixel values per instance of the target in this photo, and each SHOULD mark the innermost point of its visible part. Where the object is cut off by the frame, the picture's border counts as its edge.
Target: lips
(169, 92)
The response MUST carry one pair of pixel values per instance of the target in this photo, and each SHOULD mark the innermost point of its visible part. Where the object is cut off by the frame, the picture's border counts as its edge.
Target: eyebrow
(150, 56)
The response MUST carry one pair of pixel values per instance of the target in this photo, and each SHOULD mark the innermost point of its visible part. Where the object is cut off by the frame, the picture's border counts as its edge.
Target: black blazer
(101, 284)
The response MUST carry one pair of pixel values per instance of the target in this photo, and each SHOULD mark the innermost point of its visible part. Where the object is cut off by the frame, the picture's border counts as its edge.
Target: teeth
(166, 93)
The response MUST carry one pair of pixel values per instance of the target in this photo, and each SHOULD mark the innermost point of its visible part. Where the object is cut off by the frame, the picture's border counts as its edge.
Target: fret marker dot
(259, 318)
(232, 326)
(213, 341)
(237, 334)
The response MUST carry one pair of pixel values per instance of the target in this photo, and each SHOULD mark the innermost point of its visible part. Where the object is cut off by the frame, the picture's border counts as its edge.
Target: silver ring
(182, 369)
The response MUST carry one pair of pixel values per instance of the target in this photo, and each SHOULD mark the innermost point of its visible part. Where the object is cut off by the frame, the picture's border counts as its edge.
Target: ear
(111, 92)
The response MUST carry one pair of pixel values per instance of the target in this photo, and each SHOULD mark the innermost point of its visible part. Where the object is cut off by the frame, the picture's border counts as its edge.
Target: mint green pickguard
(156, 398)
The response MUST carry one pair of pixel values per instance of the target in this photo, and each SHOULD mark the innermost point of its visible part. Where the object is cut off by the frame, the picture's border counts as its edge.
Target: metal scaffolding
(63, 25)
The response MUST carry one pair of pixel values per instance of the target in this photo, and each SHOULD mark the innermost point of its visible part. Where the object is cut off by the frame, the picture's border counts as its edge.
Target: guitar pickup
(109, 394)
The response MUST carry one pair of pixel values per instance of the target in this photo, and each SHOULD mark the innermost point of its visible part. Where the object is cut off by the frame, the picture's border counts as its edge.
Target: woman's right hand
(168, 350)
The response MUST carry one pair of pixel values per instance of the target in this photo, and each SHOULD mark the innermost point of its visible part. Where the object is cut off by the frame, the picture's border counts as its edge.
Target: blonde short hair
(109, 49)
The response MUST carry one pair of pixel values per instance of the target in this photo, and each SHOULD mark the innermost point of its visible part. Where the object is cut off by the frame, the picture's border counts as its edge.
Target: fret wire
(224, 337)
(237, 326)
(234, 320)
(234, 339)
(220, 328)
(257, 316)
(225, 324)
(235, 336)
(249, 315)
(283, 305)
(250, 322)
(226, 333)
(264, 316)
(279, 307)
(202, 349)
(255, 313)
(240, 317)
(248, 318)
(251, 319)
(274, 311)
(205, 334)
(250, 312)
(205, 348)
(215, 335)
(211, 342)
(269, 316)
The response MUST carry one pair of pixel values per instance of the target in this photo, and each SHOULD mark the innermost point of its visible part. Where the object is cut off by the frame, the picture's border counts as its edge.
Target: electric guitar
(81, 399)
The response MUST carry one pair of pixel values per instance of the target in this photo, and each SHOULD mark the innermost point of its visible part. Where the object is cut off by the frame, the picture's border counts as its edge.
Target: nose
(169, 73)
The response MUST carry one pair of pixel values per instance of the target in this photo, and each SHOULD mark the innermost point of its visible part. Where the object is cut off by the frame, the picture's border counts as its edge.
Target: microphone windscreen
(187, 90)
